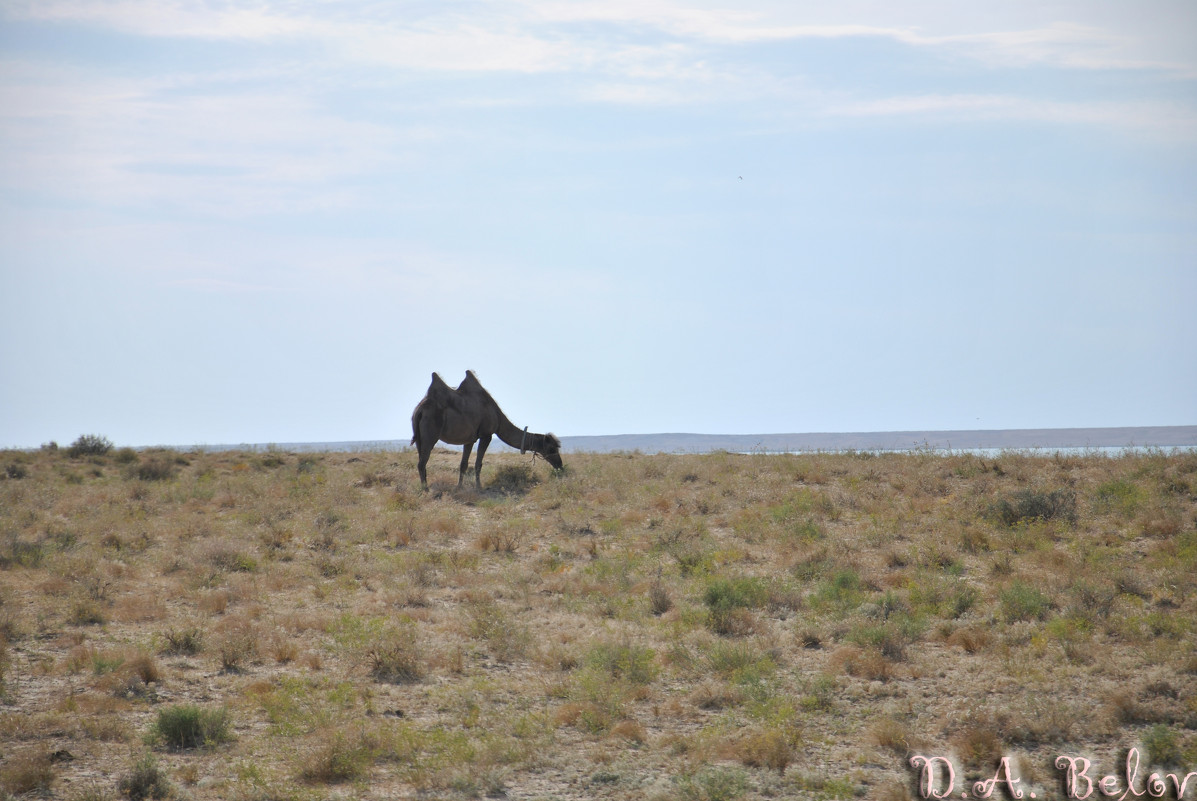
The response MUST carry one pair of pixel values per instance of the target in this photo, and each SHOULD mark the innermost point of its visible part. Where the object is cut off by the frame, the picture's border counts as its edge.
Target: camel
(467, 415)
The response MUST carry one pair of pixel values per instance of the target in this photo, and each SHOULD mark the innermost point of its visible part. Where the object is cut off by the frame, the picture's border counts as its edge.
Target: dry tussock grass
(641, 626)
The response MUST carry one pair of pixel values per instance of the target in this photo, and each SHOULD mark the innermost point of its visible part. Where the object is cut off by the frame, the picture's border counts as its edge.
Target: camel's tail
(415, 427)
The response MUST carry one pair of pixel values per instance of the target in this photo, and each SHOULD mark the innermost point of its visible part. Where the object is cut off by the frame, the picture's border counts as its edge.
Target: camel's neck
(513, 435)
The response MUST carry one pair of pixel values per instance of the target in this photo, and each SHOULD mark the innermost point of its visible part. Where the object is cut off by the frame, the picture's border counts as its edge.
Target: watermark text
(937, 779)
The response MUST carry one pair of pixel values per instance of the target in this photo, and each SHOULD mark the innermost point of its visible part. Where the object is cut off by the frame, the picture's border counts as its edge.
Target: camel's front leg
(483, 444)
(465, 462)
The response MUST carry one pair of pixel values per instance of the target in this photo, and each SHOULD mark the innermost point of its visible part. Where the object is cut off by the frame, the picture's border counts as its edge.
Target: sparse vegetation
(183, 641)
(1026, 506)
(146, 779)
(189, 726)
(1022, 601)
(395, 655)
(26, 772)
(155, 468)
(302, 626)
(335, 757)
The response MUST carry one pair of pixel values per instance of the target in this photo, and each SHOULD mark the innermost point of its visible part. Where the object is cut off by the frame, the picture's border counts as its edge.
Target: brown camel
(467, 415)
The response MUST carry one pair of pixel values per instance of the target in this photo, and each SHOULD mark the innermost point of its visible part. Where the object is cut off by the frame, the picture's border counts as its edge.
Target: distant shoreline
(1009, 439)
(999, 439)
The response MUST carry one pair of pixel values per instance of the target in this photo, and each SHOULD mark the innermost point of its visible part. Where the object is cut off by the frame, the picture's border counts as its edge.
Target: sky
(270, 222)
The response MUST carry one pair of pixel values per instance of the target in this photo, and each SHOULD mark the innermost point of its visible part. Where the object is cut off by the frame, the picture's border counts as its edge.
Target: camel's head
(552, 451)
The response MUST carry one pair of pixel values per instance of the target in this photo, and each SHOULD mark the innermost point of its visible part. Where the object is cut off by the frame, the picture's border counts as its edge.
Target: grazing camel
(467, 415)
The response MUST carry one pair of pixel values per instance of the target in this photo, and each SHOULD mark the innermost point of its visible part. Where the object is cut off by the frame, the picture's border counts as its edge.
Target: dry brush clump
(300, 625)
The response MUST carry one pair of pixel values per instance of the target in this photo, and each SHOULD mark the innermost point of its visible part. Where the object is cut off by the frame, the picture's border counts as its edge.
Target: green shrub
(890, 638)
(1092, 600)
(742, 593)
(1021, 601)
(507, 639)
(145, 780)
(1027, 506)
(688, 545)
(103, 663)
(26, 773)
(942, 597)
(156, 468)
(225, 556)
(1161, 747)
(818, 694)
(86, 612)
(89, 445)
(271, 460)
(659, 600)
(1120, 495)
(188, 726)
(5, 663)
(187, 641)
(21, 553)
(238, 647)
(842, 591)
(740, 663)
(624, 661)
(395, 657)
(769, 747)
(713, 784)
(337, 758)
(728, 602)
(308, 464)
(513, 479)
(1166, 624)
(799, 508)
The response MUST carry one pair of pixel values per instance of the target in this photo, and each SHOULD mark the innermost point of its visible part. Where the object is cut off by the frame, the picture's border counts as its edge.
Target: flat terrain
(276, 625)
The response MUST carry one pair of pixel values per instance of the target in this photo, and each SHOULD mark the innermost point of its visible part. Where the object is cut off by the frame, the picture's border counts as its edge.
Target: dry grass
(276, 625)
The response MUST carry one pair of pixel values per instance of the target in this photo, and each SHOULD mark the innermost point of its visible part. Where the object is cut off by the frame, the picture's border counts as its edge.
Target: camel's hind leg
(425, 442)
(483, 444)
(422, 465)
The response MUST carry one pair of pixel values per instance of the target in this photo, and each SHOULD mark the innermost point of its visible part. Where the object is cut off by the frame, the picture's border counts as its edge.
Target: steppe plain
(278, 625)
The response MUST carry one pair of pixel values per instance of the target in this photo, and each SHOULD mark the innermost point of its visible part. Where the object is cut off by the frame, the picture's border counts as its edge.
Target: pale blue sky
(271, 221)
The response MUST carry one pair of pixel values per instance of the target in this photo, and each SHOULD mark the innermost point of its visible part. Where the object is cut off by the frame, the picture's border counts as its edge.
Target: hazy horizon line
(891, 440)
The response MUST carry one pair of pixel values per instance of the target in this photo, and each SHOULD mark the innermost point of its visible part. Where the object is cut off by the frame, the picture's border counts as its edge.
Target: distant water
(992, 453)
(355, 446)
(1072, 439)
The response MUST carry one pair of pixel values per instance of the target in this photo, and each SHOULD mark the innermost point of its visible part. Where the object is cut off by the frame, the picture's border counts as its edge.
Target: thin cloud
(136, 141)
(202, 140)
(535, 37)
(168, 18)
(450, 41)
(456, 48)
(1064, 43)
(223, 287)
(1159, 119)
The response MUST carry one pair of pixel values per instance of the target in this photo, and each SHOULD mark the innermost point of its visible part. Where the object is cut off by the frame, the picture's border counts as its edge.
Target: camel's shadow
(470, 495)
